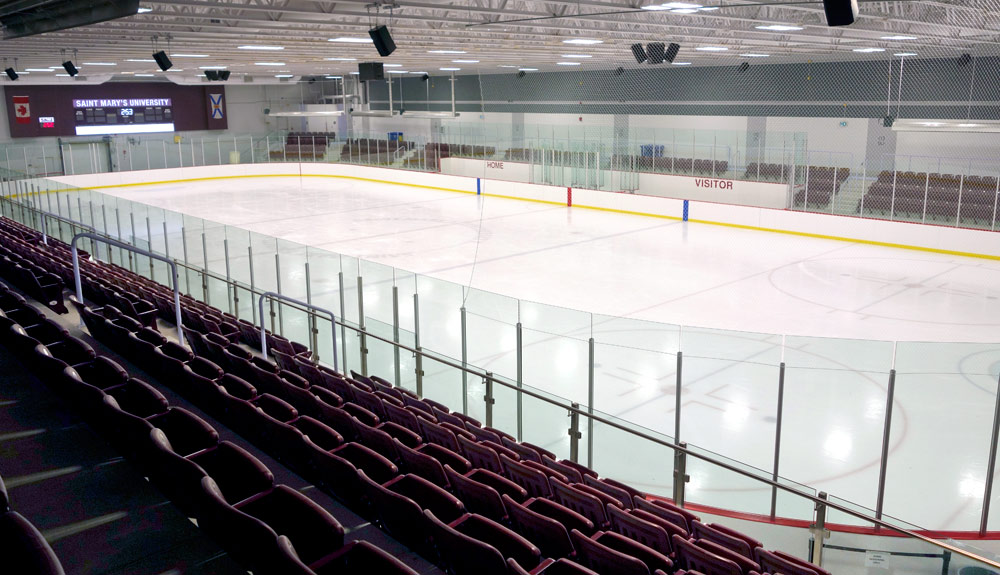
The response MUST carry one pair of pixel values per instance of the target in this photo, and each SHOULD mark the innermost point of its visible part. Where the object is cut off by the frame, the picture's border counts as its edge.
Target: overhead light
(899, 37)
(99, 64)
(465, 61)
(392, 65)
(446, 52)
(351, 40)
(64, 75)
(397, 72)
(583, 41)
(418, 72)
(708, 8)
(139, 60)
(38, 70)
(507, 66)
(901, 54)
(527, 69)
(779, 27)
(751, 55)
(284, 75)
(190, 55)
(567, 63)
(684, 11)
(211, 67)
(268, 63)
(355, 73)
(711, 48)
(334, 77)
(143, 10)
(968, 125)
(147, 75)
(681, 63)
(251, 47)
(449, 69)
(577, 56)
(340, 59)
(672, 6)
(931, 123)
(869, 50)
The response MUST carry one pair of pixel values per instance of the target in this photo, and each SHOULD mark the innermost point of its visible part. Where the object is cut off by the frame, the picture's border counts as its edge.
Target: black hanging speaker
(888, 121)
(744, 66)
(654, 52)
(639, 52)
(162, 61)
(70, 68)
(522, 74)
(425, 77)
(212, 75)
(840, 12)
(383, 40)
(964, 59)
(370, 71)
(11, 73)
(671, 52)
(224, 75)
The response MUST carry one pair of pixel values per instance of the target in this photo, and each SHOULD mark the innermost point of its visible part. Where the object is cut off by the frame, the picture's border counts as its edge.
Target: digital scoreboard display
(97, 116)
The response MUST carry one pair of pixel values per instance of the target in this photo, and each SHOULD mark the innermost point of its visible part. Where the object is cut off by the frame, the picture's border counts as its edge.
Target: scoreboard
(122, 116)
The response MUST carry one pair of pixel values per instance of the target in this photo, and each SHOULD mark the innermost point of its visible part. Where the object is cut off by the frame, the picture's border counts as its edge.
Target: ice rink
(747, 299)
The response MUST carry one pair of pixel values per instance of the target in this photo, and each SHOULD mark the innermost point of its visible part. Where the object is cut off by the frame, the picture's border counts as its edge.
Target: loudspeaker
(212, 75)
(840, 12)
(370, 71)
(224, 75)
(887, 121)
(11, 73)
(671, 52)
(619, 71)
(383, 40)
(654, 52)
(425, 77)
(70, 68)
(162, 61)
(744, 66)
(639, 53)
(964, 59)
(522, 74)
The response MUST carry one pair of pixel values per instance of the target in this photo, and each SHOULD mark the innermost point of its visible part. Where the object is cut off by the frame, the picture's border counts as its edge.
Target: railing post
(131, 219)
(343, 314)
(680, 474)
(520, 380)
(361, 324)
(488, 398)
(313, 331)
(204, 269)
(819, 532)
(419, 369)
(887, 428)
(149, 243)
(465, 365)
(253, 308)
(395, 333)
(574, 433)
(777, 435)
(230, 285)
(677, 398)
(277, 285)
(590, 405)
(991, 465)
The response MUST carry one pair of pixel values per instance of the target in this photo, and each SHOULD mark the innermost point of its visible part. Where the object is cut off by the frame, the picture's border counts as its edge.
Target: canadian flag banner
(22, 110)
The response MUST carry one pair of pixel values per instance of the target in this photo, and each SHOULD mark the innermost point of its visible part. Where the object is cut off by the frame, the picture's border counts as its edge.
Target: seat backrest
(477, 497)
(773, 562)
(692, 557)
(377, 440)
(583, 503)
(550, 535)
(623, 496)
(480, 456)
(571, 473)
(747, 565)
(649, 534)
(524, 452)
(463, 554)
(533, 481)
(654, 560)
(320, 433)
(603, 559)
(701, 531)
(445, 506)
(418, 463)
(666, 511)
(27, 551)
(436, 434)
(377, 467)
(402, 416)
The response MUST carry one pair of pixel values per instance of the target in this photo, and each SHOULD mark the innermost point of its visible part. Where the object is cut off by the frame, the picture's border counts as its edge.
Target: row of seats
(442, 150)
(467, 496)
(821, 185)
(269, 528)
(669, 164)
(25, 550)
(938, 196)
(551, 157)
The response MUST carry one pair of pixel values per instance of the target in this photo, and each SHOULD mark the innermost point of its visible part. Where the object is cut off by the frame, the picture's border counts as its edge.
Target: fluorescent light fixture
(684, 11)
(392, 65)
(139, 60)
(284, 75)
(334, 77)
(38, 70)
(170, 70)
(902, 54)
(510, 66)
(252, 47)
(711, 48)
(446, 52)
(418, 72)
(779, 27)
(449, 69)
(583, 41)
(931, 123)
(465, 61)
(143, 10)
(655, 7)
(268, 63)
(123, 129)
(527, 69)
(672, 6)
(211, 67)
(64, 75)
(189, 55)
(340, 59)
(99, 64)
(709, 8)
(682, 63)
(355, 73)
(899, 37)
(146, 75)
(869, 50)
(968, 125)
(351, 40)
(577, 56)
(397, 72)
(567, 63)
(752, 55)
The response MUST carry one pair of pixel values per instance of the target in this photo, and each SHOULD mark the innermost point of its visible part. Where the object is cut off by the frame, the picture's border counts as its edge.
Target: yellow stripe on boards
(549, 202)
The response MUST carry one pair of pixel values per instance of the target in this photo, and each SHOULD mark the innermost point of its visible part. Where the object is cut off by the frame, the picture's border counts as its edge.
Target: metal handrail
(131, 248)
(486, 376)
(278, 296)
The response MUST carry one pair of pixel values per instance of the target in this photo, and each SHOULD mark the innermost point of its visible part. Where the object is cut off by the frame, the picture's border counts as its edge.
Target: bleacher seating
(931, 196)
(820, 185)
(468, 497)
(304, 146)
(372, 151)
(669, 165)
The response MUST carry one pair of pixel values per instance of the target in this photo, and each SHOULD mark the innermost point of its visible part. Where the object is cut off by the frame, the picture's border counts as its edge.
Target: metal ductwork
(30, 17)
